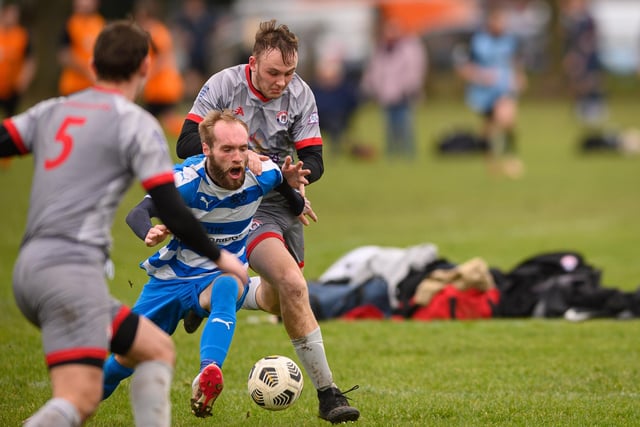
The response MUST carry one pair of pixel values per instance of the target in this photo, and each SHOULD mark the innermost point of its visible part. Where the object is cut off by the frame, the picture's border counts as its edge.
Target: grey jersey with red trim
(87, 149)
(277, 127)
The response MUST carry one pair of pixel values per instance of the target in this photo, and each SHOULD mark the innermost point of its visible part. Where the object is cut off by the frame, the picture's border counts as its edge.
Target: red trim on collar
(256, 92)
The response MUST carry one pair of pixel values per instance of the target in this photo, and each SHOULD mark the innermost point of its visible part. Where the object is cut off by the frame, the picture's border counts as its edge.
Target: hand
(307, 212)
(294, 174)
(156, 235)
(229, 263)
(254, 162)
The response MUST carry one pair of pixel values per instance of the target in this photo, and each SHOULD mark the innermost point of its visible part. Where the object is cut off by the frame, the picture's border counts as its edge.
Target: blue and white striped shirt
(225, 214)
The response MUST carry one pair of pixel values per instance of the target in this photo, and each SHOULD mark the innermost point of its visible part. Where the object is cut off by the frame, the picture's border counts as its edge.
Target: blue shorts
(166, 302)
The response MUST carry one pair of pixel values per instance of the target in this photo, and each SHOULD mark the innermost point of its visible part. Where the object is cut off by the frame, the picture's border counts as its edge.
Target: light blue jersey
(225, 214)
(496, 54)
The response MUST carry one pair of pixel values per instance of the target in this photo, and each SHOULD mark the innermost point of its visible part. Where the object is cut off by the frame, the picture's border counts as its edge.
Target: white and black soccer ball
(275, 382)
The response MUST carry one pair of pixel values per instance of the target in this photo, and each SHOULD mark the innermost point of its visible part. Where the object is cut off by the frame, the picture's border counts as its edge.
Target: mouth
(236, 172)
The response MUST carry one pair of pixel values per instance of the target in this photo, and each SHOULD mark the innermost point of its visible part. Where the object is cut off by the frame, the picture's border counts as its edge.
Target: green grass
(520, 372)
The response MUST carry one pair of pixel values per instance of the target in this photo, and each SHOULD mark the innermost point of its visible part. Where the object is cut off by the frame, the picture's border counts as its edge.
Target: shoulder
(192, 161)
(298, 87)
(301, 96)
(269, 165)
(25, 120)
(270, 173)
(189, 171)
(234, 73)
(42, 107)
(138, 126)
(135, 113)
(225, 80)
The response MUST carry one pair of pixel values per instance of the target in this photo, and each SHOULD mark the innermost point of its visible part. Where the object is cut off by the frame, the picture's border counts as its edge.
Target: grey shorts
(274, 219)
(60, 287)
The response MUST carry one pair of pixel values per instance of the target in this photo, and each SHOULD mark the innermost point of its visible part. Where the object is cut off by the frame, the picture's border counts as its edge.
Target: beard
(230, 178)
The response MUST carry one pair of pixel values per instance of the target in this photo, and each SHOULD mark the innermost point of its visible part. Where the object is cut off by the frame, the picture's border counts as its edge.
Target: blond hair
(206, 126)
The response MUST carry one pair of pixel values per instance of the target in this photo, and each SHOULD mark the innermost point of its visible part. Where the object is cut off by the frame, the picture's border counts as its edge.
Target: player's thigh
(70, 303)
(164, 303)
(272, 261)
(275, 242)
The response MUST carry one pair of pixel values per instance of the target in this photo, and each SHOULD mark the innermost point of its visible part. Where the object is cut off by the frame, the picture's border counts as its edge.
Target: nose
(281, 81)
(236, 156)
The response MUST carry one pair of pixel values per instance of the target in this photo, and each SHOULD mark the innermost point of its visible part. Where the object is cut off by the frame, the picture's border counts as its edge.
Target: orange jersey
(165, 84)
(14, 49)
(82, 31)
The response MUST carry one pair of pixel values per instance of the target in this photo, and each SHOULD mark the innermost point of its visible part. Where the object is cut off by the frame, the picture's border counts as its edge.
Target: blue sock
(218, 332)
(114, 373)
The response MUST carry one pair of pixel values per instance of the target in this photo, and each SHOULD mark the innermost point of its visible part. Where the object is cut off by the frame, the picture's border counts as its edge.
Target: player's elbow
(316, 173)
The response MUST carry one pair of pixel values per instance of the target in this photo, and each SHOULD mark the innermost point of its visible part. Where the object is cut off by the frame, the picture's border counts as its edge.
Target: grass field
(520, 372)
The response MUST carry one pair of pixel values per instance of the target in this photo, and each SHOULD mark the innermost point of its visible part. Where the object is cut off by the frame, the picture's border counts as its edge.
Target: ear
(205, 149)
(252, 63)
(144, 67)
(92, 65)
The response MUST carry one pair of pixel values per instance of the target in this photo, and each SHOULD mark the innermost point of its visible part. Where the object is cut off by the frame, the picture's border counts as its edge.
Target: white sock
(56, 412)
(250, 302)
(150, 394)
(310, 351)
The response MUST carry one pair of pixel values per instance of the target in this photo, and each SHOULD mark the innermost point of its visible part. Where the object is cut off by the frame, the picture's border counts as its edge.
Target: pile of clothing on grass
(374, 282)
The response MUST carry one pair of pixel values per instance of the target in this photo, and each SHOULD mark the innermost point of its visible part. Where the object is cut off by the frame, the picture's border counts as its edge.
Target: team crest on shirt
(238, 111)
(313, 118)
(282, 117)
(255, 224)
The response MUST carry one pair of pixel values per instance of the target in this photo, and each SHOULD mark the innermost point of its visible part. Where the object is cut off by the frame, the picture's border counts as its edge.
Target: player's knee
(80, 385)
(89, 403)
(152, 343)
(266, 297)
(166, 350)
(269, 302)
(291, 281)
(226, 288)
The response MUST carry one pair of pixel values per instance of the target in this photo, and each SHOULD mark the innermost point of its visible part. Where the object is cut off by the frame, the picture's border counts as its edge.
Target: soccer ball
(275, 382)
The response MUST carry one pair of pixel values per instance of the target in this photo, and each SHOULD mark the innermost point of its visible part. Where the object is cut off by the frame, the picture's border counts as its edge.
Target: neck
(129, 88)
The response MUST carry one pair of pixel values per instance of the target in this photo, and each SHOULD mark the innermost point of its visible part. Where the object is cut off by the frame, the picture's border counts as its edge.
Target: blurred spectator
(581, 61)
(529, 20)
(194, 26)
(76, 47)
(17, 62)
(395, 76)
(493, 71)
(336, 99)
(165, 86)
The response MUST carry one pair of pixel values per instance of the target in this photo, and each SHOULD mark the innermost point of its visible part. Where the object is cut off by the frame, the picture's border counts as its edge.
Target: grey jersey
(87, 148)
(277, 127)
